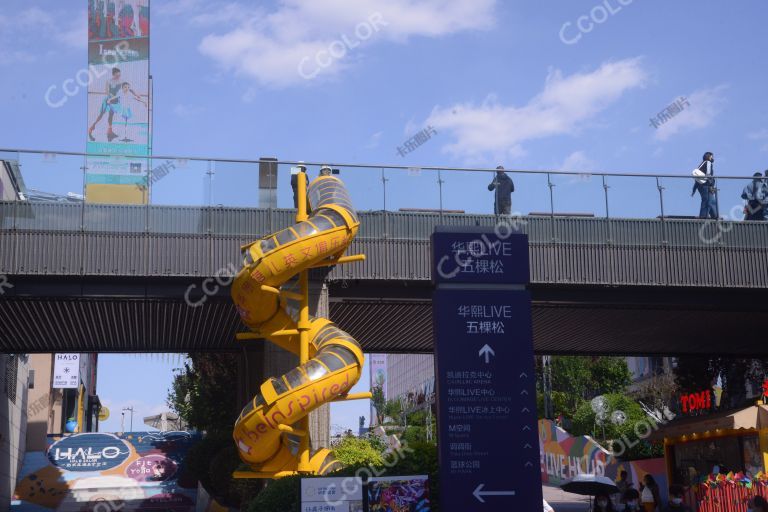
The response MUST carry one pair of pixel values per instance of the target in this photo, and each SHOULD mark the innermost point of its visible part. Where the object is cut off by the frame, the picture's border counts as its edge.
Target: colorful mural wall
(564, 456)
(102, 472)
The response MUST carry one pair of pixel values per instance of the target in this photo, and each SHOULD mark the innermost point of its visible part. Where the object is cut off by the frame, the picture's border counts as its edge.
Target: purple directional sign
(488, 436)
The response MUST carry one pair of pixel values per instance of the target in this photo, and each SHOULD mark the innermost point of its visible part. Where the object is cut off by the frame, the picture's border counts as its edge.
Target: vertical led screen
(118, 132)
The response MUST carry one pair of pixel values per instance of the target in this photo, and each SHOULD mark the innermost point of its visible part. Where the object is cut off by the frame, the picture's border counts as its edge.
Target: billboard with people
(119, 132)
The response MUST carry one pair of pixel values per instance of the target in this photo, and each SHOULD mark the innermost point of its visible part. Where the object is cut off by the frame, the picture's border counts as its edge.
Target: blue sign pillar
(487, 422)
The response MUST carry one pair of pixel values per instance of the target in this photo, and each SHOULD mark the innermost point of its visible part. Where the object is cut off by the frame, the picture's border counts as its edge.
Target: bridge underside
(151, 316)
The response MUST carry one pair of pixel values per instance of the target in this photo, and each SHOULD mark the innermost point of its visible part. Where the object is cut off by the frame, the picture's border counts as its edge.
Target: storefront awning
(751, 418)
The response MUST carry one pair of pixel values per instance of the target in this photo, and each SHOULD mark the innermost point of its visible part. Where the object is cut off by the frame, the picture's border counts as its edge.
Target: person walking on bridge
(755, 195)
(704, 184)
(504, 187)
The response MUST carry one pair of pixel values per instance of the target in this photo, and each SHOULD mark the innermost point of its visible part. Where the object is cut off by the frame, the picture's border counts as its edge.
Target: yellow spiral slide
(271, 295)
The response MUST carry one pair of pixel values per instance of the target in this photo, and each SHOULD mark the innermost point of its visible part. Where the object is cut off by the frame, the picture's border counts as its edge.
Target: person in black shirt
(504, 187)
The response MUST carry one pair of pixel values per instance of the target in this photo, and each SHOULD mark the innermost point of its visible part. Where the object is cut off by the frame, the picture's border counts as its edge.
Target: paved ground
(565, 502)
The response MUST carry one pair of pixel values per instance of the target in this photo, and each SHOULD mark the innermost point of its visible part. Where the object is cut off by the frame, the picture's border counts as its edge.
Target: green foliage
(378, 402)
(577, 378)
(357, 451)
(283, 495)
(619, 434)
(202, 394)
(393, 409)
(199, 456)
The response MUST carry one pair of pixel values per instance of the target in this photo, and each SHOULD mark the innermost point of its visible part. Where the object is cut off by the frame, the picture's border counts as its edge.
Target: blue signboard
(489, 455)
(479, 255)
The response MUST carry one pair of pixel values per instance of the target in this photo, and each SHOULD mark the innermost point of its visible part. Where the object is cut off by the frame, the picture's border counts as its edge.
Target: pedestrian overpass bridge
(111, 278)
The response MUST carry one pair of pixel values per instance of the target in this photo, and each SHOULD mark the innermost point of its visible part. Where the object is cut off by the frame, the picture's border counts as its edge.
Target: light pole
(131, 410)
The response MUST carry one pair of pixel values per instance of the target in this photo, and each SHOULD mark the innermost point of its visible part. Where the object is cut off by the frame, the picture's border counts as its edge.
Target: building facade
(13, 422)
(51, 405)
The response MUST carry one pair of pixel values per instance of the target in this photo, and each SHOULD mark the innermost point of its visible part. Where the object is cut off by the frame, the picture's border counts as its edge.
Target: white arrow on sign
(523, 375)
(487, 351)
(479, 493)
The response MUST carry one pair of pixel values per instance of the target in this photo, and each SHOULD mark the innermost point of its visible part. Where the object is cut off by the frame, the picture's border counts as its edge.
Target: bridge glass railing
(185, 195)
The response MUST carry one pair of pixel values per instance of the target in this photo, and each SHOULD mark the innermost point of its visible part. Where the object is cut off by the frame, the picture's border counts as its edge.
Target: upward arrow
(487, 351)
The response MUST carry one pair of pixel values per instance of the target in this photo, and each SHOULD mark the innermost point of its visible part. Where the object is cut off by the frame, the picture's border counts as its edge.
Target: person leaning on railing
(504, 187)
(756, 196)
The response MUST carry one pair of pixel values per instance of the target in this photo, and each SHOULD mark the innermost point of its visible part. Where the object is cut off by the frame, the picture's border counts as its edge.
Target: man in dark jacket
(504, 187)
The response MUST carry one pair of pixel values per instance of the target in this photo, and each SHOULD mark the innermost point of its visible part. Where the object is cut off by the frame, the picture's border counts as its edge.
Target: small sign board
(66, 371)
(343, 494)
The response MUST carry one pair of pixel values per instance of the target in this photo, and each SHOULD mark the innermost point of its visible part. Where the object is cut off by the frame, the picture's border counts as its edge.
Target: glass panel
(580, 195)
(279, 386)
(631, 197)
(331, 361)
(285, 236)
(295, 378)
(335, 217)
(345, 354)
(183, 182)
(305, 229)
(322, 223)
(267, 245)
(315, 370)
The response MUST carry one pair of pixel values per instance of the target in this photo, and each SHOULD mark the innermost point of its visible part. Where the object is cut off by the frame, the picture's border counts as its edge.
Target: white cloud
(20, 30)
(496, 131)
(270, 46)
(760, 136)
(373, 142)
(577, 162)
(186, 111)
(705, 105)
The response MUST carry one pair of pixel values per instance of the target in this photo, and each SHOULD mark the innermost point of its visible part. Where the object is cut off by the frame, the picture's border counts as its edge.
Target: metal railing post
(609, 237)
(551, 207)
(440, 187)
(660, 188)
(384, 181)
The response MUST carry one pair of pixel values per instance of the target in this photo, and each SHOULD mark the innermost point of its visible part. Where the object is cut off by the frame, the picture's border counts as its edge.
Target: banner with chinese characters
(129, 471)
(118, 101)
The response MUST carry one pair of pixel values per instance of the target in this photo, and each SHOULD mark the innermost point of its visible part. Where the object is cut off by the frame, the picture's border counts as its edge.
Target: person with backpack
(504, 186)
(704, 184)
(755, 195)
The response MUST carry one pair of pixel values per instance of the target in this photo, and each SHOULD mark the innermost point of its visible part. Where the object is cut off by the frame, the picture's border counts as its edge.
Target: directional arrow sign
(523, 375)
(487, 351)
(479, 493)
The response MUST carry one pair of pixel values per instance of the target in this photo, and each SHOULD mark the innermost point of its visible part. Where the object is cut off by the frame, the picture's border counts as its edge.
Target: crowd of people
(755, 194)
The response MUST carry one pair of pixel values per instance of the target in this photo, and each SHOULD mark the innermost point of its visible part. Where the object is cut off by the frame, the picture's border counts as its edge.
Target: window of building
(31, 381)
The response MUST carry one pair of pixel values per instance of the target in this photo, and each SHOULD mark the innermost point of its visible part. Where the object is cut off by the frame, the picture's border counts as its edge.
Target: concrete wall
(13, 422)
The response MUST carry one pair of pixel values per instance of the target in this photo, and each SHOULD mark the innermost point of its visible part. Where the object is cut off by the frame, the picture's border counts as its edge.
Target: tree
(576, 379)
(393, 409)
(357, 451)
(617, 426)
(378, 402)
(203, 392)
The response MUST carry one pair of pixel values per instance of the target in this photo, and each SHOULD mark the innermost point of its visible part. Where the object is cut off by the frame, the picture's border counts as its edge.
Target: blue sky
(513, 83)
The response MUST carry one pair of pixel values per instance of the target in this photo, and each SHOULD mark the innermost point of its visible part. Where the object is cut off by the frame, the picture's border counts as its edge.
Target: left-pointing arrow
(479, 493)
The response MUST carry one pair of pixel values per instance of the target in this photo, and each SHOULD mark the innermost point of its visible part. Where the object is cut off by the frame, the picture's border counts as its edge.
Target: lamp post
(131, 410)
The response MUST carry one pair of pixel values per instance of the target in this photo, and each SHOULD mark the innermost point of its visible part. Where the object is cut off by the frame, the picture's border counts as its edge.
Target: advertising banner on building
(96, 471)
(66, 371)
(118, 101)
